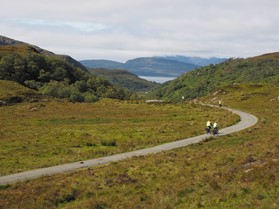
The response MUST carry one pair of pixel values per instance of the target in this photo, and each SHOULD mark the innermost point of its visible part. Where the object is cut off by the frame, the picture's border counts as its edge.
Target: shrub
(56, 89)
(89, 97)
(109, 142)
(90, 144)
(81, 86)
(76, 96)
(33, 84)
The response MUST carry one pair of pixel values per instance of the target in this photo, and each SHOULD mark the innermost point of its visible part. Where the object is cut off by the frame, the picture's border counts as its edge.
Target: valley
(55, 111)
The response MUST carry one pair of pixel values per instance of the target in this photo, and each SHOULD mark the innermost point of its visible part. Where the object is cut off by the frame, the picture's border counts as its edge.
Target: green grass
(11, 89)
(42, 134)
(235, 171)
(20, 49)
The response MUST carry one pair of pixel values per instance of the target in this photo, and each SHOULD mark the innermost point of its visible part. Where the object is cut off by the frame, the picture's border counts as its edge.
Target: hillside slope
(54, 75)
(13, 92)
(12, 45)
(123, 78)
(202, 81)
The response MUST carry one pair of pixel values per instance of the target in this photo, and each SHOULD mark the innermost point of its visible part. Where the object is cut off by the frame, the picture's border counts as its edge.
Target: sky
(125, 29)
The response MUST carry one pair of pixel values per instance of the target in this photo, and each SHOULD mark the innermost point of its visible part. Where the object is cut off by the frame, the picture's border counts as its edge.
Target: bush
(56, 89)
(33, 84)
(76, 96)
(89, 97)
(81, 86)
(109, 142)
(90, 144)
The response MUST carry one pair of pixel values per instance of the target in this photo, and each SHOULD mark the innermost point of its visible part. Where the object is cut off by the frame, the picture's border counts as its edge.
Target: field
(42, 134)
(235, 171)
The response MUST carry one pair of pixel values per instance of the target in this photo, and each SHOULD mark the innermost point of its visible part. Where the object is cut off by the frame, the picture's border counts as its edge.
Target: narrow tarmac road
(246, 120)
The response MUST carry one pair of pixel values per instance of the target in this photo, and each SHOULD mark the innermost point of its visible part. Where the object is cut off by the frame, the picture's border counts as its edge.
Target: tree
(56, 89)
(20, 74)
(90, 97)
(92, 84)
(59, 74)
(76, 96)
(115, 93)
(44, 76)
(33, 70)
(81, 86)
(6, 67)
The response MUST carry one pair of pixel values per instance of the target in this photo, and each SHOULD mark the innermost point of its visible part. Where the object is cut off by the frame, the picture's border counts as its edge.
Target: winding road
(246, 120)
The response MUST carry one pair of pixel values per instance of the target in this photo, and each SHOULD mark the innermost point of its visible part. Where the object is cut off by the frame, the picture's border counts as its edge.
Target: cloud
(126, 29)
(56, 25)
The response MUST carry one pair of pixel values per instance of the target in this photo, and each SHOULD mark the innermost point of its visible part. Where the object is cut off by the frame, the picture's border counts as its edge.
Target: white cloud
(125, 29)
(58, 25)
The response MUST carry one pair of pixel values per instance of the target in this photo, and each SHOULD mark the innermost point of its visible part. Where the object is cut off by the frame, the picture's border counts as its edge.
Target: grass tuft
(109, 143)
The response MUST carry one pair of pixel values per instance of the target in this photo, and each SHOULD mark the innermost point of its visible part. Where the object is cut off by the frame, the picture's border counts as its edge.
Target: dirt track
(247, 120)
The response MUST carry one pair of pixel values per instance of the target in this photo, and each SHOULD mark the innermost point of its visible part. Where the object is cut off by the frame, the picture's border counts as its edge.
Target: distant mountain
(167, 66)
(205, 80)
(123, 78)
(145, 66)
(109, 64)
(153, 66)
(196, 60)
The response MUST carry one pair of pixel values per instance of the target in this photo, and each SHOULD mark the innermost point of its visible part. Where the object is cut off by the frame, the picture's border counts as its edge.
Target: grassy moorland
(47, 133)
(239, 170)
(11, 91)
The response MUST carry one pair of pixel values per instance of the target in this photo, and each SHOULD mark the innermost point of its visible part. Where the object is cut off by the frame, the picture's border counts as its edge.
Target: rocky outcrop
(8, 41)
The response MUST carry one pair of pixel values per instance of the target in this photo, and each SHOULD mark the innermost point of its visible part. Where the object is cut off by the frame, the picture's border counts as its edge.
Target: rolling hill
(11, 45)
(106, 64)
(55, 75)
(12, 92)
(200, 61)
(123, 78)
(205, 80)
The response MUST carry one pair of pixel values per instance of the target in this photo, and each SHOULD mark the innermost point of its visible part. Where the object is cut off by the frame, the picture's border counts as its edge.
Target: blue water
(157, 79)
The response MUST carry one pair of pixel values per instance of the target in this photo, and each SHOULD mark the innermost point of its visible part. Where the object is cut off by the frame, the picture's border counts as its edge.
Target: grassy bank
(235, 171)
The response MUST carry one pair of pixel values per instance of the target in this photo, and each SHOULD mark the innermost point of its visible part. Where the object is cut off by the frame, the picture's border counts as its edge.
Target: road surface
(246, 120)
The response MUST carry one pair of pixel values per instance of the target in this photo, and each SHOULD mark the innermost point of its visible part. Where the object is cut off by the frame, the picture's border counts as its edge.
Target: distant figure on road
(215, 128)
(208, 127)
(209, 124)
(220, 103)
(215, 125)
